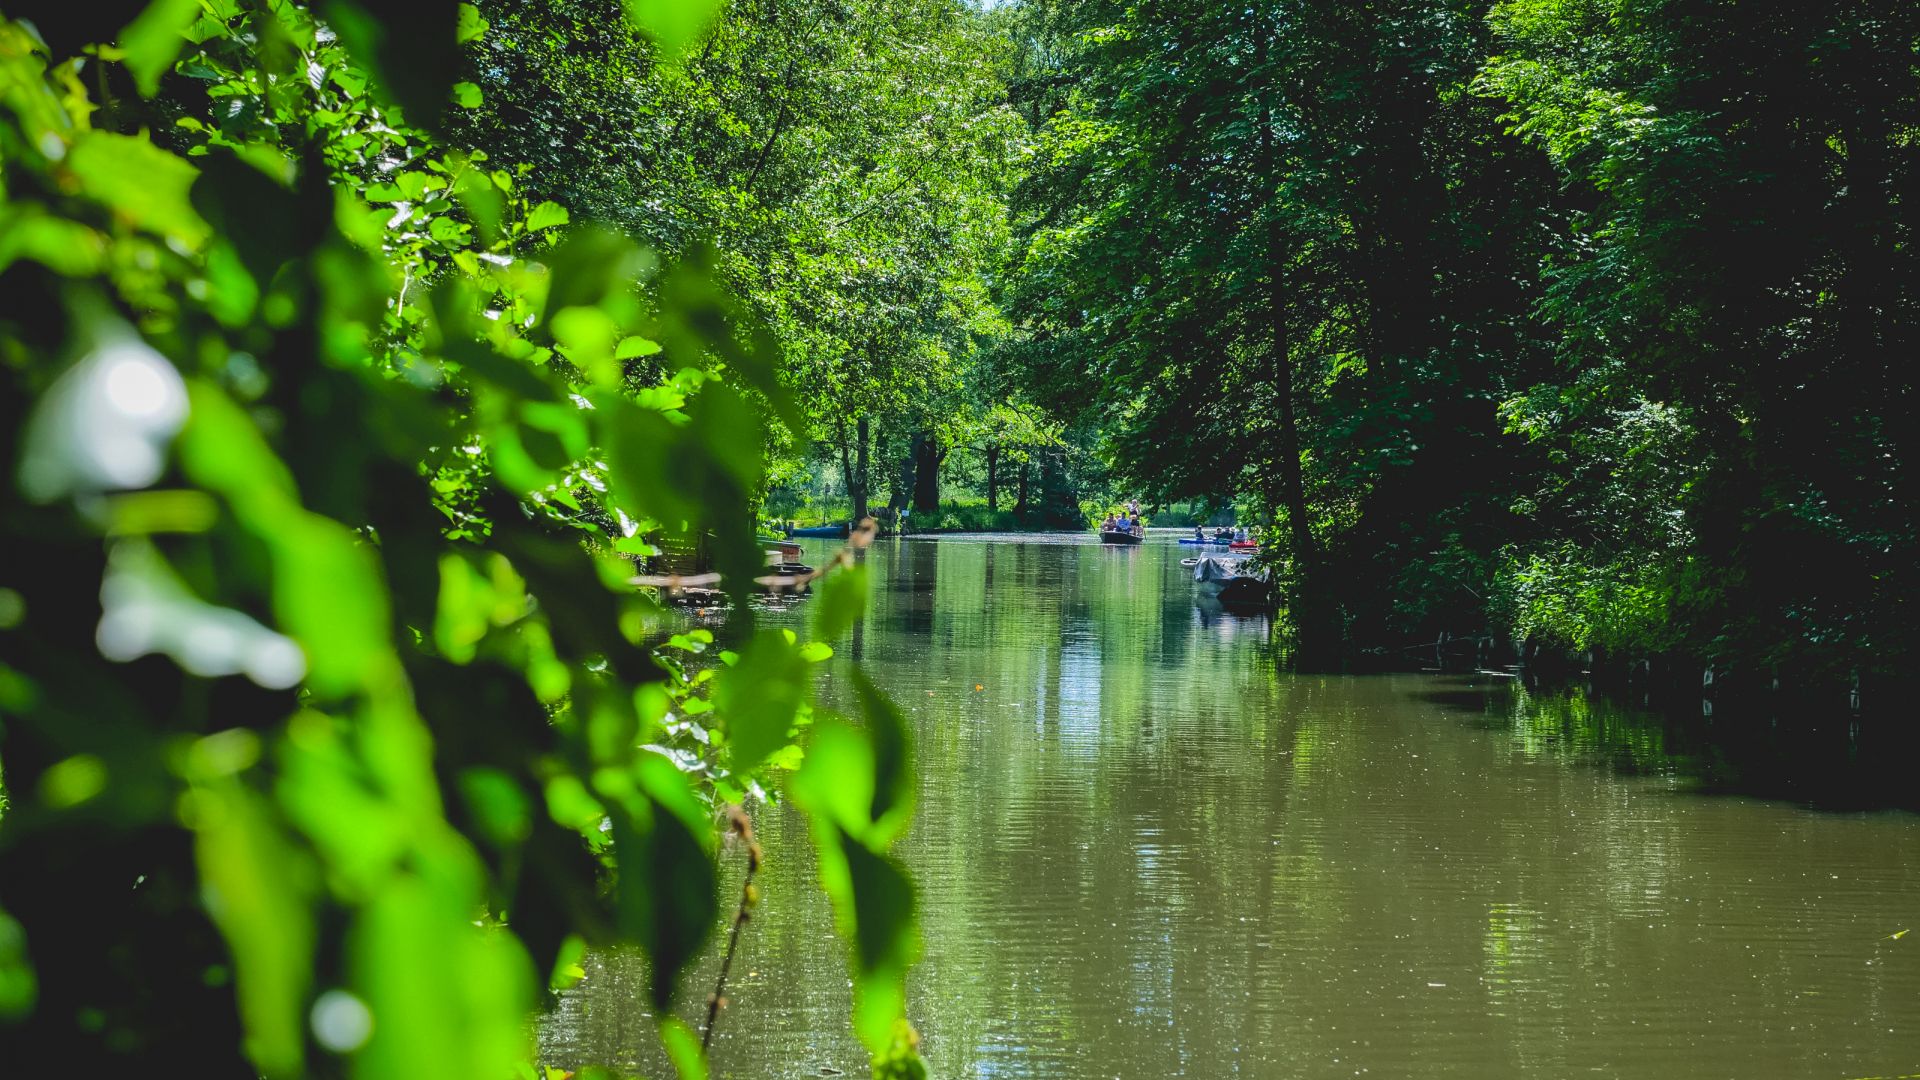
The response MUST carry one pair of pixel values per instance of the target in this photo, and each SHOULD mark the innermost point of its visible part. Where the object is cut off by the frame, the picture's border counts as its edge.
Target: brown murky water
(1144, 852)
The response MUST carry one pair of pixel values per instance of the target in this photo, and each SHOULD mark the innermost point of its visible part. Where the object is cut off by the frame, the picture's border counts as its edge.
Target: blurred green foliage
(333, 722)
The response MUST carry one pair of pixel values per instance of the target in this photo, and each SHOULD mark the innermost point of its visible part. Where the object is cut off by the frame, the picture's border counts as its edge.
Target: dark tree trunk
(901, 495)
(1312, 613)
(993, 478)
(860, 489)
(1292, 495)
(926, 474)
(847, 474)
(1020, 501)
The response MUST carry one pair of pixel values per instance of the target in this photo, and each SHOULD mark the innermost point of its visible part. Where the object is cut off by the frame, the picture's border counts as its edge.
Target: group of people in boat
(1222, 535)
(1127, 520)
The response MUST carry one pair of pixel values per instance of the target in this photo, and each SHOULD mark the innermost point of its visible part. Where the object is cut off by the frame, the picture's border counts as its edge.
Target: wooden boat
(834, 532)
(786, 550)
(1121, 536)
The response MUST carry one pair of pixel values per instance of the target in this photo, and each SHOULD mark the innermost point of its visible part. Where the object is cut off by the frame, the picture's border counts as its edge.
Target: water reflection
(1143, 852)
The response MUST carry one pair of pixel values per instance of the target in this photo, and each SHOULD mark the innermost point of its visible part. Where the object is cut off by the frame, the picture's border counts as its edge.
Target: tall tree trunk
(993, 477)
(1311, 612)
(926, 473)
(847, 473)
(1293, 498)
(859, 488)
(900, 497)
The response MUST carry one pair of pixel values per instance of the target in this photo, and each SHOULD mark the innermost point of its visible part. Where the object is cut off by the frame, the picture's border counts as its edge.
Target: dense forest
(1577, 320)
(362, 367)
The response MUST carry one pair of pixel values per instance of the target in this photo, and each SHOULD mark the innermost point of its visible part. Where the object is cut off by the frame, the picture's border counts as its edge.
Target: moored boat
(1211, 572)
(1231, 582)
(837, 532)
(787, 548)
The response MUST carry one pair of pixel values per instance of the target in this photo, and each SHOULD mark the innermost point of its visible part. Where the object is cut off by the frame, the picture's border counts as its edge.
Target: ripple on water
(1141, 851)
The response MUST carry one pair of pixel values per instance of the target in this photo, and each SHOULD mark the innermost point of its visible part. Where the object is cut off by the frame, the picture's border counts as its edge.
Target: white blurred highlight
(341, 1022)
(145, 609)
(106, 424)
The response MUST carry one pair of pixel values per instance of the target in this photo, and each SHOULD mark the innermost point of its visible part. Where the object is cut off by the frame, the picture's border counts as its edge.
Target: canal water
(1144, 851)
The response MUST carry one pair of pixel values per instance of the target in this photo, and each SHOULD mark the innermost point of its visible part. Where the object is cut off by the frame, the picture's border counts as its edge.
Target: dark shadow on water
(1773, 751)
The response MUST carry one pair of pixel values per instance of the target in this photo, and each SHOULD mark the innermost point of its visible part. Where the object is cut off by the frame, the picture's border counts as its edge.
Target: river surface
(1144, 851)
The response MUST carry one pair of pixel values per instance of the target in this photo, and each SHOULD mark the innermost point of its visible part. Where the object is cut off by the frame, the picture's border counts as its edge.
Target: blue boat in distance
(837, 532)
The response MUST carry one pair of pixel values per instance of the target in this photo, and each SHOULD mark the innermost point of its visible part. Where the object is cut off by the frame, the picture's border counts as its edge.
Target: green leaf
(892, 803)
(256, 885)
(547, 215)
(18, 987)
(682, 1044)
(63, 246)
(886, 940)
(151, 41)
(674, 25)
(472, 25)
(630, 347)
(448, 998)
(327, 590)
(758, 698)
(502, 812)
(450, 233)
(140, 183)
(665, 893)
(839, 600)
(467, 95)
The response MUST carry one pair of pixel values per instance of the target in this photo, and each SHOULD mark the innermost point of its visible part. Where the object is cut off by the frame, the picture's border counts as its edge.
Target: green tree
(1277, 249)
(1732, 305)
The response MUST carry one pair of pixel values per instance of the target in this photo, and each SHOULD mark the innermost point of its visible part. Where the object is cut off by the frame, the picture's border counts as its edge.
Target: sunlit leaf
(674, 24)
(758, 697)
(141, 183)
(683, 1049)
(547, 215)
(839, 599)
(152, 40)
(256, 889)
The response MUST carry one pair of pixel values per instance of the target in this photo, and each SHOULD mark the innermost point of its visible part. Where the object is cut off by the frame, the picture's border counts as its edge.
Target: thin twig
(741, 826)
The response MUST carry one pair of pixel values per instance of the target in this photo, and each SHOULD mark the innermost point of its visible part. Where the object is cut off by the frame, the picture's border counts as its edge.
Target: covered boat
(1230, 582)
